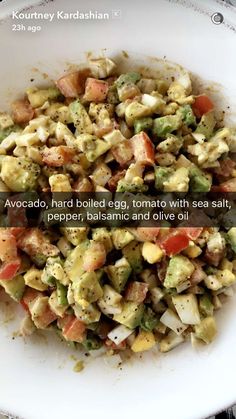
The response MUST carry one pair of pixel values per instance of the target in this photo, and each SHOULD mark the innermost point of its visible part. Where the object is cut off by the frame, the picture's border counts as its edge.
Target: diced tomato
(29, 295)
(112, 345)
(198, 275)
(33, 241)
(83, 185)
(202, 105)
(136, 291)
(122, 152)
(74, 330)
(228, 186)
(102, 129)
(73, 84)
(113, 181)
(94, 257)
(95, 90)
(144, 234)
(57, 156)
(143, 148)
(64, 321)
(8, 249)
(9, 269)
(16, 231)
(22, 111)
(174, 243)
(45, 318)
(226, 167)
(191, 232)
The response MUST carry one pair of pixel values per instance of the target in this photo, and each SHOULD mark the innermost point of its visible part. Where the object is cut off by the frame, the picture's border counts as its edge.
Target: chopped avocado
(33, 279)
(127, 78)
(55, 305)
(87, 287)
(231, 236)
(15, 287)
(75, 235)
(54, 271)
(4, 132)
(80, 117)
(142, 124)
(198, 181)
(162, 174)
(102, 235)
(62, 294)
(166, 124)
(112, 95)
(187, 115)
(19, 174)
(206, 125)
(121, 237)
(39, 260)
(134, 111)
(206, 330)
(205, 305)
(186, 306)
(171, 145)
(149, 320)
(119, 273)
(88, 315)
(91, 342)
(179, 269)
(133, 253)
(136, 186)
(131, 315)
(74, 262)
(37, 97)
(92, 146)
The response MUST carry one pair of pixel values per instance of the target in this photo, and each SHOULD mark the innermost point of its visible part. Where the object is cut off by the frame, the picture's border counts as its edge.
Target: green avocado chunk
(80, 117)
(198, 181)
(162, 174)
(87, 287)
(142, 124)
(179, 270)
(166, 124)
(19, 174)
(187, 115)
(131, 315)
(15, 287)
(62, 294)
(124, 186)
(119, 273)
(149, 320)
(127, 78)
(133, 253)
(206, 125)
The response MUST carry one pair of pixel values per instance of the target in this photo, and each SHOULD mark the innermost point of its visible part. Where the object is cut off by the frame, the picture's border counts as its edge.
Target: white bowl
(36, 376)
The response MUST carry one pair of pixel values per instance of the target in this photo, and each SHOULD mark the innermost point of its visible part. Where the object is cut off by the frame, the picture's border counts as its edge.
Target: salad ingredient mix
(125, 289)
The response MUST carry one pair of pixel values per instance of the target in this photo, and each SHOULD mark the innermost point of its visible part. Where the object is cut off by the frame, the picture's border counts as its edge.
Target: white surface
(36, 377)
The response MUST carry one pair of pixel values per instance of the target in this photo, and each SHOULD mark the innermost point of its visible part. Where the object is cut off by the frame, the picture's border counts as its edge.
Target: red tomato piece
(174, 243)
(143, 148)
(94, 257)
(136, 291)
(74, 330)
(29, 295)
(73, 84)
(33, 241)
(122, 152)
(214, 258)
(57, 156)
(9, 269)
(95, 90)
(144, 234)
(228, 186)
(22, 111)
(226, 167)
(198, 275)
(202, 105)
(191, 232)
